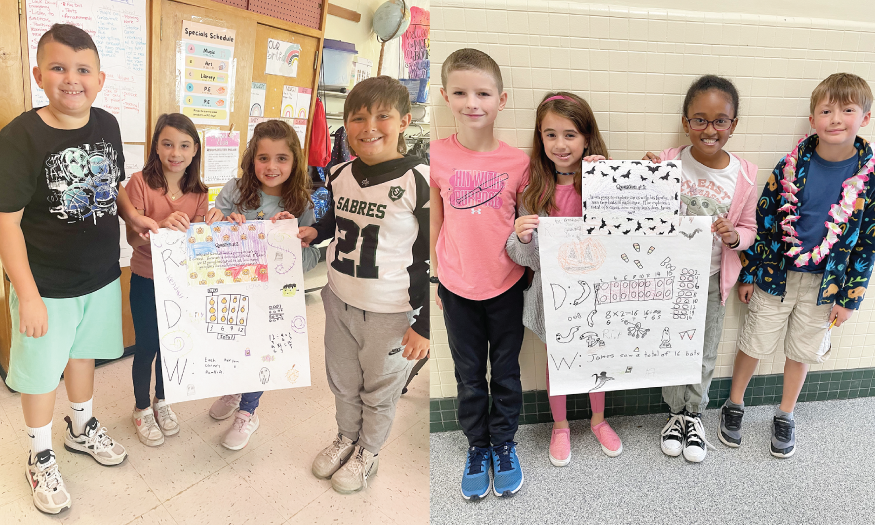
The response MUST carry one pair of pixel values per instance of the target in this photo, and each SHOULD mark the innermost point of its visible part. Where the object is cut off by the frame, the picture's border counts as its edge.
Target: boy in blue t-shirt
(813, 254)
(61, 173)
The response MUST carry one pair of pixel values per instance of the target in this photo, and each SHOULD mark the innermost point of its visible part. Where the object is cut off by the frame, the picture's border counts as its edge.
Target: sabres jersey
(379, 217)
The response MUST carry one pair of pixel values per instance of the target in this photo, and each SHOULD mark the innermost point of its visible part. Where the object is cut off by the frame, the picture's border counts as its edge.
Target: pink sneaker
(610, 441)
(560, 447)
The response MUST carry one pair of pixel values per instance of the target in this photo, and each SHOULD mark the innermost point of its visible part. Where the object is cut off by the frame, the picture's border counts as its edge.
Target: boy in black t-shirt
(61, 173)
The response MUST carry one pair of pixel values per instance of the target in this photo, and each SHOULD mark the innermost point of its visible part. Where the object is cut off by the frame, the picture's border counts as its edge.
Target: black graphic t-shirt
(67, 182)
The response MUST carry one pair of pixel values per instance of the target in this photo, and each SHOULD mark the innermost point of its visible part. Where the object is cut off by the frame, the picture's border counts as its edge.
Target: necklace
(175, 195)
(841, 212)
(565, 172)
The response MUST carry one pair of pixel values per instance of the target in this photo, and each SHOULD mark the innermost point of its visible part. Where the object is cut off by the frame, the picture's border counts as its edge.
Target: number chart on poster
(119, 32)
(623, 311)
(207, 72)
(231, 309)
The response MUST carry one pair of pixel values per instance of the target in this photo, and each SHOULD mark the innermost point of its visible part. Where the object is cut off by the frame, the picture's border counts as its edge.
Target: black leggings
(147, 348)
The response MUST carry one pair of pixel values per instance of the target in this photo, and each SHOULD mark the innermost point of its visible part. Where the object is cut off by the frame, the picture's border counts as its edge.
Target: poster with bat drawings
(231, 309)
(625, 309)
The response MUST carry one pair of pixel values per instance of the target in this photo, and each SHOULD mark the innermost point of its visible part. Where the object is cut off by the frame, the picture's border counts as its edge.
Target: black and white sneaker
(673, 434)
(94, 442)
(49, 492)
(730, 426)
(695, 444)
(783, 437)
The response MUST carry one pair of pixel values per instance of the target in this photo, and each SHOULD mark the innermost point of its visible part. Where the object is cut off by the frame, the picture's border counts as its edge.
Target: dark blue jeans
(249, 401)
(491, 329)
(147, 348)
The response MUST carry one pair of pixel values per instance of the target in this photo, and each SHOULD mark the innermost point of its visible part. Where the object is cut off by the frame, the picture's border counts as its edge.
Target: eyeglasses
(700, 124)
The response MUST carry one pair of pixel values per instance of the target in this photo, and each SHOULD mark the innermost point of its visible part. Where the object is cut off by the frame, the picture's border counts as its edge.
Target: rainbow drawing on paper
(226, 253)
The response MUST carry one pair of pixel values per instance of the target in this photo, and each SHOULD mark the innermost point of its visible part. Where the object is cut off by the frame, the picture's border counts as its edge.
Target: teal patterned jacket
(849, 263)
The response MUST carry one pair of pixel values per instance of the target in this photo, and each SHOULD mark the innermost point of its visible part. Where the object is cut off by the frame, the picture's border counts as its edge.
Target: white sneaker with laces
(147, 428)
(94, 442)
(49, 492)
(333, 457)
(353, 476)
(673, 434)
(696, 446)
(165, 417)
(225, 407)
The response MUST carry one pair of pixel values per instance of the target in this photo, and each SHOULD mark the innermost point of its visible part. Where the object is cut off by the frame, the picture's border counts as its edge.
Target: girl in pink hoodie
(718, 184)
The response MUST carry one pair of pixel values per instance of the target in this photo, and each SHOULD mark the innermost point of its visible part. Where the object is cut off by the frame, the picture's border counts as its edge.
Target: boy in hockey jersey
(376, 301)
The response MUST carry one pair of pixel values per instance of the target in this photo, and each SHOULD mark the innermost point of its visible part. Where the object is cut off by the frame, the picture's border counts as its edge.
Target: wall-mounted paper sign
(296, 102)
(282, 58)
(221, 154)
(208, 58)
(256, 99)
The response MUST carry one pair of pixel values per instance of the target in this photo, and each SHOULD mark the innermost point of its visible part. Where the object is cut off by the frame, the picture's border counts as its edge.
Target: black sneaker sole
(782, 455)
(728, 442)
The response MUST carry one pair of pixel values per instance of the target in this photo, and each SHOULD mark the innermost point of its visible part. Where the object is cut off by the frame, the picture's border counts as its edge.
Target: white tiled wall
(633, 65)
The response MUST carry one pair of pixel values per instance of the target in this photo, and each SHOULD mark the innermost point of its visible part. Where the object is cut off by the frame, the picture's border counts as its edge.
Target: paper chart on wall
(119, 32)
(256, 99)
(207, 72)
(296, 102)
(623, 311)
(282, 58)
(637, 197)
(231, 310)
(221, 154)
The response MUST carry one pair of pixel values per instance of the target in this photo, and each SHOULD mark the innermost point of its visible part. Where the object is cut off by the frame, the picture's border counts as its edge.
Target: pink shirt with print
(479, 200)
(159, 206)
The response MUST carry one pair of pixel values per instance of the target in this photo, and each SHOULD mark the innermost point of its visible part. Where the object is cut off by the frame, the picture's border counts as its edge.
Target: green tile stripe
(762, 390)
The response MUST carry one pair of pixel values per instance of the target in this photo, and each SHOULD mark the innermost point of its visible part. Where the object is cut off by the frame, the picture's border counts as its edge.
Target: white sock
(40, 439)
(81, 415)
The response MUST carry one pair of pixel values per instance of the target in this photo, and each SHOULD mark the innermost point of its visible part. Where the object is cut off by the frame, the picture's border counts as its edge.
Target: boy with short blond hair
(61, 173)
(376, 301)
(813, 254)
(475, 181)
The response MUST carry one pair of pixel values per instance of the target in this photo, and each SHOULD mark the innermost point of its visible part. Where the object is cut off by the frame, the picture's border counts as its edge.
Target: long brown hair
(153, 171)
(295, 195)
(540, 194)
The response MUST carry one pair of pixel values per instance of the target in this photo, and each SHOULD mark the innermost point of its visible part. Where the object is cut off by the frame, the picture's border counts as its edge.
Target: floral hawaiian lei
(841, 212)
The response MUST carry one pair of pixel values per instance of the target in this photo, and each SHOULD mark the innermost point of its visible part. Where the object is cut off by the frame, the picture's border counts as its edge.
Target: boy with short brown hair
(813, 254)
(61, 173)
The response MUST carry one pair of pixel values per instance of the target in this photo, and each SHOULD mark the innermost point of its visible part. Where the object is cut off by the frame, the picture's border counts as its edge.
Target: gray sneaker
(353, 476)
(783, 437)
(225, 407)
(333, 457)
(730, 426)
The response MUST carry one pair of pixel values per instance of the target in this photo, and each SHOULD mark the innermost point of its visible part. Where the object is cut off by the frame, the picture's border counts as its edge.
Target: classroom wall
(633, 62)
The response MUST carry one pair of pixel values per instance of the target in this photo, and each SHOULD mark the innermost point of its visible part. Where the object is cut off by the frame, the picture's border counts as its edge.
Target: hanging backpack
(320, 145)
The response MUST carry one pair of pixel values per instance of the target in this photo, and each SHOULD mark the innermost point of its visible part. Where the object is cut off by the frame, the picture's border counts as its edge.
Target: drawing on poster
(623, 197)
(605, 327)
(292, 375)
(220, 298)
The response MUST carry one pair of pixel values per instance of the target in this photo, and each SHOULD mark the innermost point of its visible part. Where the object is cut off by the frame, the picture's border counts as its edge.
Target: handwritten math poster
(626, 287)
(119, 32)
(282, 58)
(231, 311)
(208, 64)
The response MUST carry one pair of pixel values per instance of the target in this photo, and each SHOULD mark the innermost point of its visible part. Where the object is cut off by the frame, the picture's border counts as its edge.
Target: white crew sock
(81, 415)
(40, 439)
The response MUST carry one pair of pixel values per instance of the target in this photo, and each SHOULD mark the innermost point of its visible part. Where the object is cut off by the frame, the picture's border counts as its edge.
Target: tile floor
(192, 479)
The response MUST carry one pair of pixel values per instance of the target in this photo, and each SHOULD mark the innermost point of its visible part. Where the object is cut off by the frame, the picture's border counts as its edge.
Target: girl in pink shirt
(566, 134)
(170, 191)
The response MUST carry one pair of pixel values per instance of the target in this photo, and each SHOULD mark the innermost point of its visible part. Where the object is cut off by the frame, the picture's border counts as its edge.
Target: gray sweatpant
(366, 369)
(695, 397)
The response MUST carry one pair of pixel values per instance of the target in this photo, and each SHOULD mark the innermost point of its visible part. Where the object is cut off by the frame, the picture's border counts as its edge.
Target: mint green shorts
(84, 327)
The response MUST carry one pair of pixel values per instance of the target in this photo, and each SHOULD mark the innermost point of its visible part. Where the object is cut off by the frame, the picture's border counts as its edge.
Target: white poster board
(134, 155)
(119, 32)
(231, 310)
(625, 287)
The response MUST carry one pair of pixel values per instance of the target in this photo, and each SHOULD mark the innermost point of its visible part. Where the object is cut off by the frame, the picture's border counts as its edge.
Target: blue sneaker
(475, 479)
(506, 470)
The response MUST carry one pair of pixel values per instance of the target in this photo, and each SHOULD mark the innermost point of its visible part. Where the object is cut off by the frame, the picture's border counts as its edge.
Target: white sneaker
(94, 442)
(332, 457)
(673, 435)
(147, 428)
(241, 430)
(225, 407)
(696, 446)
(165, 417)
(49, 492)
(353, 476)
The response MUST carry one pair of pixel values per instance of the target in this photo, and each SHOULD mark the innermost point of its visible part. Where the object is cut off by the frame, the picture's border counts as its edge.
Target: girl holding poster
(566, 134)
